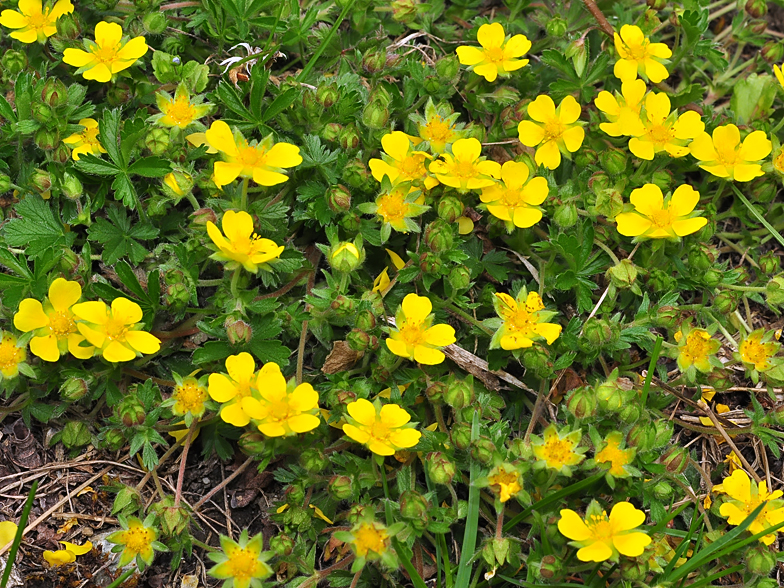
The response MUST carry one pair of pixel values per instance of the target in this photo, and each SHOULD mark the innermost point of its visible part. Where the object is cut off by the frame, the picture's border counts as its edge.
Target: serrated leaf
(281, 103)
(124, 191)
(37, 230)
(232, 101)
(150, 167)
(274, 351)
(109, 128)
(90, 164)
(212, 351)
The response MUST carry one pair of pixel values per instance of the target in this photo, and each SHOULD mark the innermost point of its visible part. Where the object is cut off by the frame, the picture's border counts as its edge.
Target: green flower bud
(435, 392)
(459, 278)
(642, 436)
(157, 141)
(343, 306)
(461, 435)
(313, 460)
(622, 275)
(712, 277)
(47, 139)
(598, 333)
(450, 208)
(440, 468)
(726, 302)
(60, 154)
(756, 8)
(598, 182)
(482, 450)
(430, 263)
(5, 183)
(310, 103)
(414, 507)
(331, 132)
(69, 261)
(358, 513)
(327, 94)
(701, 257)
(374, 61)
(118, 93)
(54, 93)
(675, 460)
(662, 178)
(764, 192)
(252, 443)
(13, 62)
(760, 560)
(155, 23)
(71, 186)
(774, 290)
(659, 280)
(634, 569)
(582, 403)
(772, 51)
(351, 222)
(281, 545)
(173, 520)
(448, 68)
(556, 27)
(405, 11)
(349, 136)
(297, 516)
(346, 257)
(375, 115)
(613, 162)
(432, 84)
(630, 412)
(238, 331)
(177, 295)
(69, 27)
(565, 215)
(537, 359)
(340, 488)
(585, 158)
(663, 490)
(439, 236)
(113, 440)
(765, 583)
(356, 174)
(42, 113)
(74, 389)
(42, 181)
(339, 198)
(770, 263)
(345, 397)
(459, 393)
(609, 203)
(664, 430)
(75, 434)
(358, 340)
(720, 380)
(130, 411)
(548, 568)
(657, 4)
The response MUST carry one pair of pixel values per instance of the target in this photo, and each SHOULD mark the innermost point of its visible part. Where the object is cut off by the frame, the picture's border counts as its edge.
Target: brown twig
(183, 460)
(222, 485)
(604, 24)
(709, 413)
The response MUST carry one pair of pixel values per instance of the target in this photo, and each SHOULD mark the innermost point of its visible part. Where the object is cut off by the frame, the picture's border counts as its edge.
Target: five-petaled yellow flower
(265, 162)
(401, 163)
(725, 156)
(516, 199)
(600, 537)
(557, 131)
(179, 111)
(465, 168)
(397, 207)
(189, 397)
(439, 126)
(241, 246)
(11, 355)
(232, 389)
(658, 218)
(612, 454)
(282, 409)
(639, 56)
(137, 538)
(695, 348)
(746, 496)
(757, 350)
(504, 480)
(414, 337)
(115, 332)
(241, 563)
(664, 130)
(54, 323)
(557, 450)
(108, 55)
(68, 554)
(622, 111)
(524, 321)
(85, 141)
(33, 22)
(384, 430)
(499, 55)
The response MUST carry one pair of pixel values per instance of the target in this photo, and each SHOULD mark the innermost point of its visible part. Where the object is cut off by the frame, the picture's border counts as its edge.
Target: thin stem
(235, 279)
(183, 460)
(467, 318)
(607, 250)
(9, 562)
(301, 352)
(244, 197)
(119, 581)
(758, 289)
(325, 42)
(209, 283)
(604, 24)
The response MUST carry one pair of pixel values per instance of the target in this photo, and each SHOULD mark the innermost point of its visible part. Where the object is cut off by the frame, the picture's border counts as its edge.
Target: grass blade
(9, 563)
(776, 235)
(472, 518)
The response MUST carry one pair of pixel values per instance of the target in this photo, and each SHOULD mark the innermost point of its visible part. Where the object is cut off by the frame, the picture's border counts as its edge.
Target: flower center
(392, 207)
(243, 564)
(520, 321)
(115, 330)
(368, 538)
(181, 111)
(697, 345)
(662, 219)
(660, 135)
(601, 528)
(778, 162)
(190, 397)
(38, 21)
(557, 452)
(437, 130)
(413, 333)
(465, 170)
(138, 539)
(106, 55)
(61, 324)
(510, 198)
(553, 130)
(412, 167)
(754, 352)
(251, 156)
(728, 157)
(90, 137)
(10, 354)
(280, 411)
(495, 55)
(639, 52)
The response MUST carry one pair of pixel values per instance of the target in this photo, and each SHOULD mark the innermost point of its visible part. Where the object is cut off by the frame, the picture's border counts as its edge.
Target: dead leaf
(340, 359)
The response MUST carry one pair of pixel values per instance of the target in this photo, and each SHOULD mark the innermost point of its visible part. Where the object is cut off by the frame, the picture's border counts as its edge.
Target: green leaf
(119, 237)
(6, 111)
(109, 127)
(265, 351)
(90, 164)
(752, 97)
(150, 167)
(232, 101)
(37, 230)
(212, 351)
(281, 103)
(124, 191)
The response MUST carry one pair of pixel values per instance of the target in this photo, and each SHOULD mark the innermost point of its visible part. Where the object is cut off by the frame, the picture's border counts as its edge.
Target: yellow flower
(8, 531)
(779, 75)
(11, 355)
(707, 395)
(34, 22)
(499, 55)
(283, 409)
(115, 332)
(639, 56)
(86, 141)
(384, 430)
(414, 338)
(756, 351)
(664, 130)
(241, 246)
(514, 198)
(657, 218)
(558, 131)
(232, 389)
(401, 163)
(178, 111)
(397, 207)
(189, 396)
(725, 156)
(733, 461)
(558, 450)
(108, 55)
(138, 540)
(505, 482)
(178, 183)
(382, 281)
(264, 162)
(622, 111)
(613, 454)
(67, 555)
(464, 168)
(601, 537)
(241, 563)
(370, 539)
(524, 321)
(438, 127)
(695, 346)
(746, 496)
(54, 322)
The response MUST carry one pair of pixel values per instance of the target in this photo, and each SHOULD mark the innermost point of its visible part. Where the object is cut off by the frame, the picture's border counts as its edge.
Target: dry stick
(163, 458)
(709, 413)
(223, 484)
(183, 460)
(599, 16)
(59, 503)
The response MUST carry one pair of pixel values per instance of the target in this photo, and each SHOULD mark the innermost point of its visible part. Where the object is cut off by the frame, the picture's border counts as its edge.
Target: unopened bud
(450, 208)
(340, 487)
(238, 331)
(375, 115)
(459, 393)
(440, 468)
(46, 138)
(676, 460)
(331, 132)
(349, 137)
(582, 403)
(157, 141)
(74, 389)
(327, 94)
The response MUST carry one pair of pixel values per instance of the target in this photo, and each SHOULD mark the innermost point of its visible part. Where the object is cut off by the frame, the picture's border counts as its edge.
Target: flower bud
(770, 263)
(42, 181)
(556, 27)
(565, 215)
(582, 402)
(476, 131)
(757, 8)
(5, 183)
(609, 203)
(675, 460)
(405, 11)
(435, 392)
(585, 158)
(549, 567)
(633, 569)
(642, 436)
(760, 560)
(599, 181)
(659, 280)
(54, 93)
(459, 393)
(461, 435)
(202, 216)
(118, 93)
(348, 138)
(69, 262)
(482, 450)
(614, 393)
(414, 507)
(701, 257)
(772, 51)
(440, 468)
(345, 397)
(726, 302)
(177, 295)
(374, 61)
(131, 411)
(71, 186)
(432, 84)
(177, 184)
(439, 236)
(339, 198)
(157, 141)
(46, 138)
(537, 359)
(155, 23)
(459, 278)
(327, 94)
(346, 257)
(662, 178)
(622, 275)
(310, 103)
(657, 4)
(13, 62)
(598, 333)
(281, 545)
(430, 263)
(613, 162)
(313, 460)
(375, 115)
(712, 277)
(74, 389)
(331, 132)
(358, 513)
(238, 331)
(42, 113)
(448, 68)
(340, 488)
(113, 440)
(663, 491)
(355, 173)
(450, 209)
(664, 430)
(358, 340)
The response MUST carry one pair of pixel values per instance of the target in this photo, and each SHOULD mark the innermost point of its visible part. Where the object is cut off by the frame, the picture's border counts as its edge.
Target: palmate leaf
(119, 238)
(38, 230)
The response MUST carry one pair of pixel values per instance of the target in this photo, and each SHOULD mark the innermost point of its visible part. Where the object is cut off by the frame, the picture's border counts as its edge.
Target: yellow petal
(30, 315)
(596, 551)
(624, 517)
(756, 146)
(63, 294)
(77, 57)
(465, 54)
(572, 526)
(220, 137)
(126, 311)
(108, 34)
(362, 411)
(45, 347)
(143, 342)
(78, 549)
(416, 308)
(491, 35)
(440, 335)
(428, 356)
(631, 544)
(13, 19)
(393, 416)
(683, 200)
(397, 261)
(117, 352)
(542, 109)
(8, 531)
(569, 111)
(59, 558)
(396, 144)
